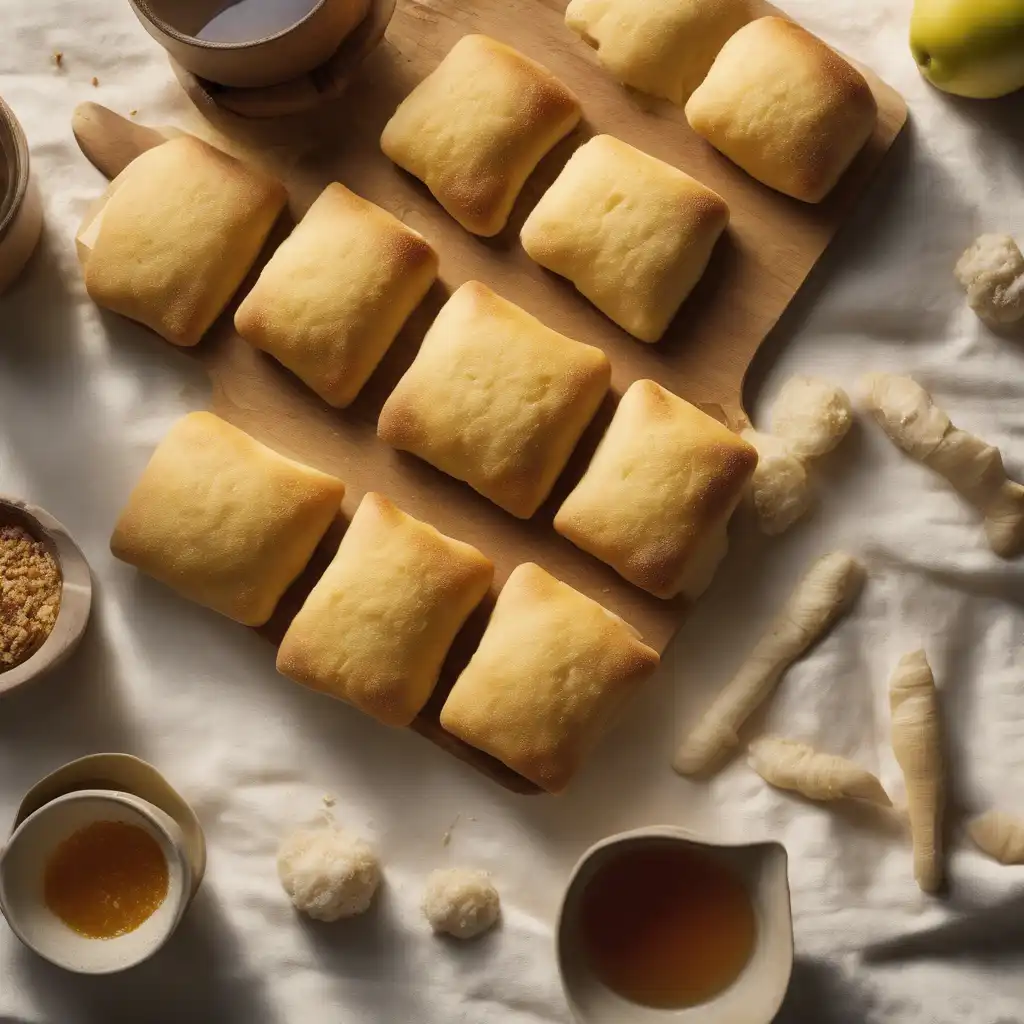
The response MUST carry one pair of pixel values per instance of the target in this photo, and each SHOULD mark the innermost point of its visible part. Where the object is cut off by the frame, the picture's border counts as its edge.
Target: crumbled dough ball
(992, 272)
(811, 415)
(779, 487)
(461, 902)
(327, 873)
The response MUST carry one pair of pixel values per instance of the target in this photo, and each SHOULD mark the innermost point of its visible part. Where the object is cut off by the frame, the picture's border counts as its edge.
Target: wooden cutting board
(771, 246)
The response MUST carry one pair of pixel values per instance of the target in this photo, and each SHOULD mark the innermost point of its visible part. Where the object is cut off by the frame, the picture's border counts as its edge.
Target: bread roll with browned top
(224, 520)
(376, 628)
(662, 47)
(476, 127)
(181, 227)
(655, 500)
(785, 107)
(633, 233)
(334, 296)
(496, 398)
(551, 674)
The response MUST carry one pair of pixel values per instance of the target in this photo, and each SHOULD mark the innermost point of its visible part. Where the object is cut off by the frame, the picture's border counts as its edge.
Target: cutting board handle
(109, 141)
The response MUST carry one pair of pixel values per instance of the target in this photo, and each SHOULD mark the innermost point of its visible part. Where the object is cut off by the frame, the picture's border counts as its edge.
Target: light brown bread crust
(496, 399)
(632, 233)
(377, 627)
(333, 297)
(178, 234)
(550, 676)
(785, 107)
(223, 520)
(662, 47)
(655, 500)
(475, 128)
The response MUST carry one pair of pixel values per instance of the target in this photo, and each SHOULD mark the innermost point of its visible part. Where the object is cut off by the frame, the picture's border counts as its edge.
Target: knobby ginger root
(907, 413)
(788, 764)
(824, 593)
(779, 487)
(999, 835)
(809, 418)
(992, 273)
(917, 744)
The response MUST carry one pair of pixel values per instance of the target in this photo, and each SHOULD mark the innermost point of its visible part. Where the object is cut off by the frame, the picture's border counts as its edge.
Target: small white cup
(23, 865)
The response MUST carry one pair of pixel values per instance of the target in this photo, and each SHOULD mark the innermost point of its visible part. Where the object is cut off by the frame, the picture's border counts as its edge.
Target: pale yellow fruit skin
(972, 48)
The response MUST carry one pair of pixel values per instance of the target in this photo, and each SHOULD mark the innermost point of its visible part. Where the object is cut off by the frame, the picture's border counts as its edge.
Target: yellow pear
(970, 47)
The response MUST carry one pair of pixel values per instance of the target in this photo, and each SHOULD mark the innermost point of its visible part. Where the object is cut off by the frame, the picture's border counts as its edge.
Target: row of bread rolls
(493, 398)
(231, 524)
(184, 223)
(631, 232)
(763, 91)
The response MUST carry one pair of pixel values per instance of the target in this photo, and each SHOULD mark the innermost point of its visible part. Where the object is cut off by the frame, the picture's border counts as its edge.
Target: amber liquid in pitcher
(667, 926)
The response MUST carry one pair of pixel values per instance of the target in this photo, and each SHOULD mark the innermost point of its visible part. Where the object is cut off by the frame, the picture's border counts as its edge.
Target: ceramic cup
(75, 598)
(22, 869)
(21, 208)
(319, 28)
(753, 998)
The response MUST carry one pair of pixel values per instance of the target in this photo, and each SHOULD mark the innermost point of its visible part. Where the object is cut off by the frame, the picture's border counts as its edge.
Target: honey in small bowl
(667, 926)
(106, 879)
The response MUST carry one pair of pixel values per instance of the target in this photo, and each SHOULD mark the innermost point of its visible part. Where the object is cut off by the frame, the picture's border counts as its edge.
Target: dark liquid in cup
(667, 926)
(246, 20)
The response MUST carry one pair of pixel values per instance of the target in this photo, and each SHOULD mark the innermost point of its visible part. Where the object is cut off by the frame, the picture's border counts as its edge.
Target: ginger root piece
(824, 593)
(788, 764)
(992, 273)
(779, 487)
(917, 744)
(907, 413)
(811, 415)
(999, 835)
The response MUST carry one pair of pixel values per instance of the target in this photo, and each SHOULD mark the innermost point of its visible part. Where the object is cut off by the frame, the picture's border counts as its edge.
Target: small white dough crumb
(811, 415)
(992, 273)
(779, 487)
(327, 873)
(461, 902)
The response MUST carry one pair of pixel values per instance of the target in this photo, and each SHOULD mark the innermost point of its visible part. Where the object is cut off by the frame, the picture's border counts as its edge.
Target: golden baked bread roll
(632, 233)
(662, 47)
(655, 500)
(552, 672)
(496, 399)
(223, 520)
(377, 627)
(785, 107)
(335, 294)
(181, 227)
(476, 127)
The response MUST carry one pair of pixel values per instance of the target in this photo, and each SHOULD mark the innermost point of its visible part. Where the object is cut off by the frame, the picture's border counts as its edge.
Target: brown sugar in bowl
(75, 592)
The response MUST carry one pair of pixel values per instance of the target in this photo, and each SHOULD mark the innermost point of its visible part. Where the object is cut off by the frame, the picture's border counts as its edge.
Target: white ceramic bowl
(23, 864)
(753, 998)
(75, 595)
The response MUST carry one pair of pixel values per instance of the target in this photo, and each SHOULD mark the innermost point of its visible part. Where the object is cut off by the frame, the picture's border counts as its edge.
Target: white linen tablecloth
(83, 401)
